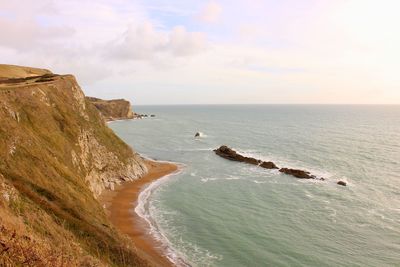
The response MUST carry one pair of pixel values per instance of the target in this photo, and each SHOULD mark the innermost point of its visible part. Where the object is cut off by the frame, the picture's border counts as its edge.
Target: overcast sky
(199, 52)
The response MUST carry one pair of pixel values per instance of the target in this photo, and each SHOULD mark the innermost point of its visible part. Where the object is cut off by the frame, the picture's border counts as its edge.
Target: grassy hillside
(56, 156)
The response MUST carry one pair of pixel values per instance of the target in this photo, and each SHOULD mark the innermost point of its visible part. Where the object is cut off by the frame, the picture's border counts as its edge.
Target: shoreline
(120, 207)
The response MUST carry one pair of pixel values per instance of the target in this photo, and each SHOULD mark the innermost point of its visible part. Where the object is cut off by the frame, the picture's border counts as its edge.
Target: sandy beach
(120, 205)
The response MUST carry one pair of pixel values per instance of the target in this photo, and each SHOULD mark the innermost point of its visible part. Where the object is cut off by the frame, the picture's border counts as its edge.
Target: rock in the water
(297, 173)
(268, 165)
(231, 154)
(197, 134)
(343, 183)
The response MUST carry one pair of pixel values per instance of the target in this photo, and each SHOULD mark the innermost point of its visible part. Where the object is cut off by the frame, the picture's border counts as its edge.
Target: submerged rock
(343, 183)
(297, 173)
(141, 116)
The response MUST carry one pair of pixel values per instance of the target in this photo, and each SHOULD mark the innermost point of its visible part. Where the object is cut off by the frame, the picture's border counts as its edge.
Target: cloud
(79, 36)
(210, 13)
(184, 43)
(28, 34)
(268, 51)
(143, 42)
(23, 8)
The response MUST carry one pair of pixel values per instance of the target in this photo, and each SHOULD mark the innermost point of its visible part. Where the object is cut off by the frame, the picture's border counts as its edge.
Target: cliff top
(13, 72)
(17, 76)
(95, 99)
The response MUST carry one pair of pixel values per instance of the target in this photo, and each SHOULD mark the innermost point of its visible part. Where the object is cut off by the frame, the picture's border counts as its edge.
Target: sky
(212, 52)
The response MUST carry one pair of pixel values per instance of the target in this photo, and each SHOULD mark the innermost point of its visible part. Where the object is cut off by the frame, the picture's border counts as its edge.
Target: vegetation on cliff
(56, 156)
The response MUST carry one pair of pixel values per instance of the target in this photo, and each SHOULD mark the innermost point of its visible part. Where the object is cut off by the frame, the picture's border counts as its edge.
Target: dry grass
(11, 71)
(53, 220)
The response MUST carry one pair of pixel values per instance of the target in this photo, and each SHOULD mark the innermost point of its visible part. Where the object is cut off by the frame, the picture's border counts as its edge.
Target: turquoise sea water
(221, 213)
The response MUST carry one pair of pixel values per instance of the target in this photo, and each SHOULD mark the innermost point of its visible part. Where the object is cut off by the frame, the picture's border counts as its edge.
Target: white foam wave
(142, 209)
(206, 179)
(178, 250)
(232, 178)
(196, 149)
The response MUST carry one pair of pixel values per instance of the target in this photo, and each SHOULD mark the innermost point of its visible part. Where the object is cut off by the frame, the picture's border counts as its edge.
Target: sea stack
(297, 173)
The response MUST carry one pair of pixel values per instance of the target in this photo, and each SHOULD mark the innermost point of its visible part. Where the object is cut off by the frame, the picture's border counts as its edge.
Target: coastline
(120, 203)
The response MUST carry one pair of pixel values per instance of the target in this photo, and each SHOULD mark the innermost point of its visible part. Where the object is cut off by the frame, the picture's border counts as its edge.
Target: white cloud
(27, 34)
(210, 13)
(137, 43)
(184, 43)
(93, 40)
(145, 43)
(319, 52)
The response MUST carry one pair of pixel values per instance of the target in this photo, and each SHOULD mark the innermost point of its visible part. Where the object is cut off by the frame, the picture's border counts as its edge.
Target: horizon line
(271, 104)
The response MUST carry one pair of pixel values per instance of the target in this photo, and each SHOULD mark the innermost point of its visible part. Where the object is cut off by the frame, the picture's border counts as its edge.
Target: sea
(216, 212)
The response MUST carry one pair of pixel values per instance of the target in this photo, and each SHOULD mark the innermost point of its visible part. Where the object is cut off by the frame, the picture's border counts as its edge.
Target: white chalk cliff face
(103, 168)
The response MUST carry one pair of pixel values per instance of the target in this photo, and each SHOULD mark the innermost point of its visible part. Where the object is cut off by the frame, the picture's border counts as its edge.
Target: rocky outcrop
(142, 116)
(297, 173)
(116, 109)
(56, 156)
(104, 169)
(231, 154)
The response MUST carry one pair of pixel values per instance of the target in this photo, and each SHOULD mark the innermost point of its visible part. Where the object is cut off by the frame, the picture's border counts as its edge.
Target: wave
(196, 149)
(142, 209)
(176, 253)
(231, 177)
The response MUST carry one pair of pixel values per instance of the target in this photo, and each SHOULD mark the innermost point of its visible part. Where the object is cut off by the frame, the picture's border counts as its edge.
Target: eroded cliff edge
(56, 156)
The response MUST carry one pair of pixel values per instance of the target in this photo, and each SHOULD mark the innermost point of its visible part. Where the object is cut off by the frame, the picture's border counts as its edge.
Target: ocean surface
(221, 213)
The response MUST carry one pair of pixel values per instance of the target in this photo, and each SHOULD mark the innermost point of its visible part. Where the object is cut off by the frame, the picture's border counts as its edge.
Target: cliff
(56, 156)
(116, 109)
